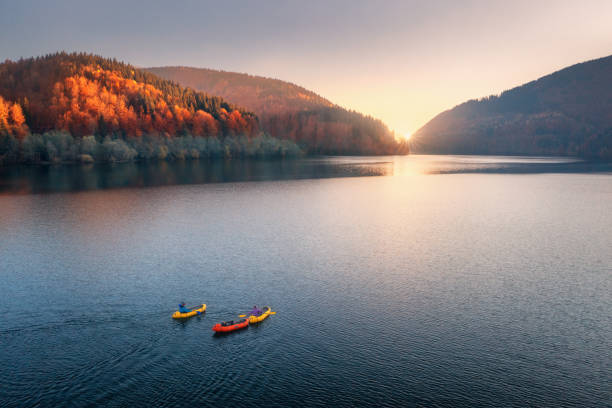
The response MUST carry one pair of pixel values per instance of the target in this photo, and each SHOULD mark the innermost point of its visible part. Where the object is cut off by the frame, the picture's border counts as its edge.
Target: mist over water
(420, 280)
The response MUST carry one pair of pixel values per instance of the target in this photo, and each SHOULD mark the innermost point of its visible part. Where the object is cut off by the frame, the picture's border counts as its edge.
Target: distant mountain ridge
(568, 112)
(259, 94)
(289, 111)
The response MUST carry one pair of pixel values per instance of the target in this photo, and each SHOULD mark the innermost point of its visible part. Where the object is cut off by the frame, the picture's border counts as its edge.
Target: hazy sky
(401, 61)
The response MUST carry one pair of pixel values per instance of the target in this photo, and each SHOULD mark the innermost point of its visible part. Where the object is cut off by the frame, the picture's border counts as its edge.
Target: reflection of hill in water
(63, 178)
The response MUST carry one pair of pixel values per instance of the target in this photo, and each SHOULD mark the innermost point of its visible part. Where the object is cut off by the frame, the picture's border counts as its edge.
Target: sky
(401, 61)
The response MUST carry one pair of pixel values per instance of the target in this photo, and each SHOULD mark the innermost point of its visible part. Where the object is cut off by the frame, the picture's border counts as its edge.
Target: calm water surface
(398, 281)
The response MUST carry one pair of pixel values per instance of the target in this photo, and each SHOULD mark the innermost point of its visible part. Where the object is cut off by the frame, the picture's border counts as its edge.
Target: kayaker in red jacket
(256, 311)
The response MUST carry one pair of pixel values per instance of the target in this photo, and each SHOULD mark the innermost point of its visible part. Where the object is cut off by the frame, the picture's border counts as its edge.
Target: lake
(456, 281)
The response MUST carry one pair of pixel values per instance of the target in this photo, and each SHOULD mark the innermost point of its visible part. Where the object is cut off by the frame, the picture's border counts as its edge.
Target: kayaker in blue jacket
(183, 309)
(256, 311)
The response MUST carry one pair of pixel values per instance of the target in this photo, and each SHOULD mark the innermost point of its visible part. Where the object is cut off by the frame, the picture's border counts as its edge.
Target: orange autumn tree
(12, 120)
(86, 94)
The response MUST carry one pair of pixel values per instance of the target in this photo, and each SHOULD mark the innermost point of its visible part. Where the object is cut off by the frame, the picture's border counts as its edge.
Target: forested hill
(568, 112)
(85, 94)
(286, 110)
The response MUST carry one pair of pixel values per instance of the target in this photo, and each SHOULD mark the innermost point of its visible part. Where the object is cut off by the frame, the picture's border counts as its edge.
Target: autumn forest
(82, 107)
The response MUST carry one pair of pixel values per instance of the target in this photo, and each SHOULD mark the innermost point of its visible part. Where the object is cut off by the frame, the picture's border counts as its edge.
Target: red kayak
(230, 326)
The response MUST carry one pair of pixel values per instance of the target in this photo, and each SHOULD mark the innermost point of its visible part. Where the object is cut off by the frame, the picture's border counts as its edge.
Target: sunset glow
(415, 193)
(363, 57)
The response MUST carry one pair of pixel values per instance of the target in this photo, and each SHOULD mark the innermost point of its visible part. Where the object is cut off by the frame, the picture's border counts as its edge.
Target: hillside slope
(89, 95)
(288, 111)
(568, 112)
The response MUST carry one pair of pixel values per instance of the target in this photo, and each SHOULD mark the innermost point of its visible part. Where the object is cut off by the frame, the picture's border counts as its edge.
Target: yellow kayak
(179, 315)
(264, 315)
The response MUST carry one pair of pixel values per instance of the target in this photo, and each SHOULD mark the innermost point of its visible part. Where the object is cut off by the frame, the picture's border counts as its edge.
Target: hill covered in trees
(568, 112)
(69, 106)
(86, 94)
(288, 111)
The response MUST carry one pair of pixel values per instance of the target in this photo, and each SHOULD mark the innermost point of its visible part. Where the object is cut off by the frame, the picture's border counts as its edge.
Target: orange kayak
(230, 326)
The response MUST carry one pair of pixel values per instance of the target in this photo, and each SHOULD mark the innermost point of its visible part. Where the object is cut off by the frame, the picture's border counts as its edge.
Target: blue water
(398, 281)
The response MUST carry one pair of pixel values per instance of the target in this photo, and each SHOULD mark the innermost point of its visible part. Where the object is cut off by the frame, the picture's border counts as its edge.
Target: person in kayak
(256, 311)
(182, 308)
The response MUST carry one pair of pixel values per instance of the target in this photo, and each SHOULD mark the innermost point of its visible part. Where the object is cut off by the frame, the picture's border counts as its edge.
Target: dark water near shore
(398, 281)
(78, 177)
